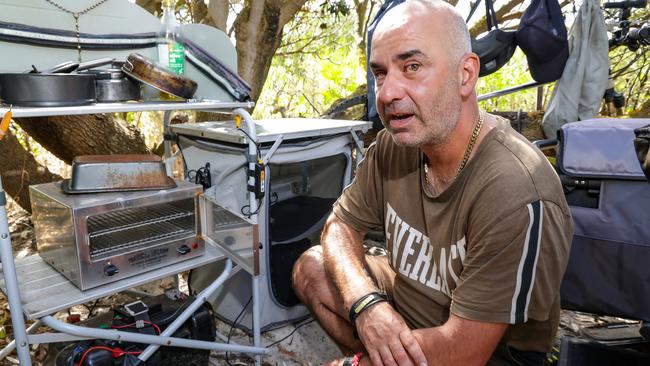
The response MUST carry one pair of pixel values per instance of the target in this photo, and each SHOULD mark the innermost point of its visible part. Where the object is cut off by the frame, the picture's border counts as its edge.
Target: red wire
(133, 324)
(113, 350)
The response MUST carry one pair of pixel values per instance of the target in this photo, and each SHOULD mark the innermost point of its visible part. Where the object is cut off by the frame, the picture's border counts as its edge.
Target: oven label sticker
(149, 258)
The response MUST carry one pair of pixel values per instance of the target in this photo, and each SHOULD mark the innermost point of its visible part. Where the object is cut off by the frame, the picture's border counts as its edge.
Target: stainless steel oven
(94, 239)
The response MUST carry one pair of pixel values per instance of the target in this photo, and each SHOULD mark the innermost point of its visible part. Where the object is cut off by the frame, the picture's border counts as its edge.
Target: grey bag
(609, 266)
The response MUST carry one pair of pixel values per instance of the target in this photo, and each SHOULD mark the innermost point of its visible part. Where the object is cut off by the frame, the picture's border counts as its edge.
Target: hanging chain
(76, 15)
(472, 141)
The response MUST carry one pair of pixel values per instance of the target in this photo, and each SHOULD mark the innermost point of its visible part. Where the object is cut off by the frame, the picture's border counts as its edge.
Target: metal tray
(116, 173)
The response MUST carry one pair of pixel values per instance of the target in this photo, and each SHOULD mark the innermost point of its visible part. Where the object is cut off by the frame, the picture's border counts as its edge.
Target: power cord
(201, 176)
(91, 308)
(292, 332)
(233, 325)
(250, 138)
(248, 212)
(180, 149)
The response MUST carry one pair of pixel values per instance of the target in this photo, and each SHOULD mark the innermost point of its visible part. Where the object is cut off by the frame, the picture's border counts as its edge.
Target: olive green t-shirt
(492, 247)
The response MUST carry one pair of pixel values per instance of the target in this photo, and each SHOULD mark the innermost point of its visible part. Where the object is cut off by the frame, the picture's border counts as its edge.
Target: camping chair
(609, 265)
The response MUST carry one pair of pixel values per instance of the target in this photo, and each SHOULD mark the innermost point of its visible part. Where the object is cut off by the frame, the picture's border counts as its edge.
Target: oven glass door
(236, 235)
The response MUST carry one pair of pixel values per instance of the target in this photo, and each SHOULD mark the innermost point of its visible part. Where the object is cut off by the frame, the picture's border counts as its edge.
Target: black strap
(364, 303)
(491, 15)
(472, 10)
(237, 86)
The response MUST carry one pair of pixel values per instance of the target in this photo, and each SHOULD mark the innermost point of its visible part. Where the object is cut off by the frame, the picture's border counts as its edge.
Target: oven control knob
(183, 249)
(111, 269)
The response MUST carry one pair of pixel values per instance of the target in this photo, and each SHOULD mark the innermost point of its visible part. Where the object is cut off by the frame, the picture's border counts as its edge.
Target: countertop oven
(94, 239)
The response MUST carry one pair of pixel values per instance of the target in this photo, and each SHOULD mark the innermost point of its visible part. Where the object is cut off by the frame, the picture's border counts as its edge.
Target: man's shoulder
(514, 168)
(516, 157)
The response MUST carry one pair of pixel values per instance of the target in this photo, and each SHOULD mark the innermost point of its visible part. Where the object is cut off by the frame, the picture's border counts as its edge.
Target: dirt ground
(304, 343)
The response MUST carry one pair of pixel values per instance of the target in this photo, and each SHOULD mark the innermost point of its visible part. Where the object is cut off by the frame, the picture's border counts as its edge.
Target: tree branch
(218, 13)
(289, 9)
(149, 5)
(70, 136)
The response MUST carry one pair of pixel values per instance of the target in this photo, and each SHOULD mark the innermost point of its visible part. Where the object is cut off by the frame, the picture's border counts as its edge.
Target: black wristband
(364, 303)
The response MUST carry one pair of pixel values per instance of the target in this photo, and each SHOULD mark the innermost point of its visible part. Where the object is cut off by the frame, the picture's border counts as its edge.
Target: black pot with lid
(112, 85)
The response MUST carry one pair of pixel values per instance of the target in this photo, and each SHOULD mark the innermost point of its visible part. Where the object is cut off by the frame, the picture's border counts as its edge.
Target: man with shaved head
(477, 228)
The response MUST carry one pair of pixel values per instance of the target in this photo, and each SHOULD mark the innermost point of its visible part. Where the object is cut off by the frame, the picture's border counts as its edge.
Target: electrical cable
(191, 176)
(250, 138)
(91, 308)
(134, 325)
(117, 352)
(234, 324)
(182, 156)
(259, 158)
(176, 312)
(249, 213)
(290, 334)
(202, 176)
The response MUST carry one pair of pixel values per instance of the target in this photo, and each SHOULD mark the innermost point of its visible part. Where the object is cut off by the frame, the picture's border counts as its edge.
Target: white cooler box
(304, 176)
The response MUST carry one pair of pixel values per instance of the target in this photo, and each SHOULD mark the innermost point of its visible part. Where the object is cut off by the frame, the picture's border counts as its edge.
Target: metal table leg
(12, 345)
(11, 281)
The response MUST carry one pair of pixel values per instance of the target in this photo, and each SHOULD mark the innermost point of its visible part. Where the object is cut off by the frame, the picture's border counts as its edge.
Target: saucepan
(112, 85)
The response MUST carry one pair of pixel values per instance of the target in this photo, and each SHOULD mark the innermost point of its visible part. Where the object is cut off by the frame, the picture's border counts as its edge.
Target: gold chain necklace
(76, 15)
(468, 150)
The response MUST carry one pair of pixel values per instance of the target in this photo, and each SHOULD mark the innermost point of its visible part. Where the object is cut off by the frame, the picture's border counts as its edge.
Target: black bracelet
(364, 303)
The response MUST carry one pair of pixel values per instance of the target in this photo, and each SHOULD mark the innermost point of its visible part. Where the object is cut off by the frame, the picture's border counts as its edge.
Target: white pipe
(200, 299)
(10, 347)
(117, 335)
(252, 151)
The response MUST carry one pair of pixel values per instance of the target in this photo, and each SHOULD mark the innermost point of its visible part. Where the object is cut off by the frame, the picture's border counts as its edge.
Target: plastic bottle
(171, 54)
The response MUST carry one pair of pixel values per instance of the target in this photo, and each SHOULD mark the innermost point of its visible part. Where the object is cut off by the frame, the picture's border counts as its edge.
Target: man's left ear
(469, 68)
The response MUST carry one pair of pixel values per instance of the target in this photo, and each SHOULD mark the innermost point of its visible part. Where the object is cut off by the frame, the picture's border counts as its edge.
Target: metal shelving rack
(46, 291)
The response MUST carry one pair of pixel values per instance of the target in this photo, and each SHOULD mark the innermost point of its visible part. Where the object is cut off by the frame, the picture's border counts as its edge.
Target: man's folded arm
(460, 341)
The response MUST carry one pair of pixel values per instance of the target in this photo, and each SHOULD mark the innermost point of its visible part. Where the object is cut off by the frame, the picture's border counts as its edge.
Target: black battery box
(148, 316)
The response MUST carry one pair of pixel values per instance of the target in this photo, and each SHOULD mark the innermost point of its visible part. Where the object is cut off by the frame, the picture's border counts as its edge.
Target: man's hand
(387, 338)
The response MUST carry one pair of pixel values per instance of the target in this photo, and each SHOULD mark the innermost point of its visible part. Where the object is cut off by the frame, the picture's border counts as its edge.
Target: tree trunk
(361, 8)
(19, 170)
(70, 136)
(258, 29)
